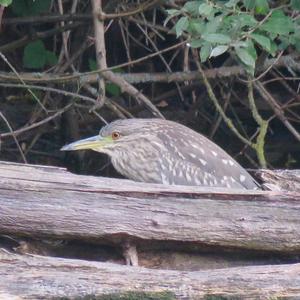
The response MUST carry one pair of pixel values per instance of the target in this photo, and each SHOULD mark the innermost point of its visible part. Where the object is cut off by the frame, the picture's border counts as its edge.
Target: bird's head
(118, 135)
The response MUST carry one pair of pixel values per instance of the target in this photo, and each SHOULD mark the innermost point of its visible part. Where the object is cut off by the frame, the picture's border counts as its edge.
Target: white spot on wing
(195, 146)
(197, 181)
(225, 161)
(242, 178)
(214, 153)
(202, 150)
(231, 162)
(188, 177)
(164, 179)
(203, 162)
(179, 154)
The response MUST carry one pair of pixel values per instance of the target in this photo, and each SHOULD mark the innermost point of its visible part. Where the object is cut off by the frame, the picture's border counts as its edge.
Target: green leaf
(5, 3)
(35, 55)
(278, 23)
(196, 43)
(231, 3)
(235, 24)
(213, 25)
(295, 41)
(284, 43)
(181, 25)
(51, 58)
(113, 89)
(247, 20)
(274, 48)
(205, 9)
(218, 50)
(251, 48)
(30, 7)
(262, 40)
(240, 44)
(191, 7)
(295, 4)
(205, 51)
(262, 7)
(249, 4)
(217, 38)
(196, 26)
(245, 56)
(171, 14)
(92, 64)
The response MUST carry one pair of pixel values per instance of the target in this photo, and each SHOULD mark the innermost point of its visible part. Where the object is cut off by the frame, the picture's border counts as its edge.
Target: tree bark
(36, 277)
(47, 202)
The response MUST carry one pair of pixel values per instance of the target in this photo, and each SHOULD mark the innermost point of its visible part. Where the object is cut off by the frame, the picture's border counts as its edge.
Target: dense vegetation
(227, 68)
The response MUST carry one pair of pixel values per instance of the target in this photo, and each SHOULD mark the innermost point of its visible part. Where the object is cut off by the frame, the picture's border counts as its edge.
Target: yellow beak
(93, 143)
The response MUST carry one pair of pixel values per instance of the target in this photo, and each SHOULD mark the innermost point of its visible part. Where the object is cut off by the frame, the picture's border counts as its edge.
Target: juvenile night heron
(161, 151)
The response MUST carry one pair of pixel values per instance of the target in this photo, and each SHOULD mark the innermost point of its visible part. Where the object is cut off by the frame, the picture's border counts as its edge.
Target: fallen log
(284, 180)
(48, 202)
(36, 277)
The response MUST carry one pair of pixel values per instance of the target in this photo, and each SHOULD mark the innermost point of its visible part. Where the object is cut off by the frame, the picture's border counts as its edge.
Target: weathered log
(48, 202)
(285, 180)
(36, 277)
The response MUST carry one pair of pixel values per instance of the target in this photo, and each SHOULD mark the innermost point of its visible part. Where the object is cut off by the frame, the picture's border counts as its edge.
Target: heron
(166, 152)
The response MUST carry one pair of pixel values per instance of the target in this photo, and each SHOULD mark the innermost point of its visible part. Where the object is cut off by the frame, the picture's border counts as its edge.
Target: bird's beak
(92, 143)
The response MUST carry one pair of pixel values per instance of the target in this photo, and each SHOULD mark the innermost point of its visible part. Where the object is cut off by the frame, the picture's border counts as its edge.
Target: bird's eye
(115, 135)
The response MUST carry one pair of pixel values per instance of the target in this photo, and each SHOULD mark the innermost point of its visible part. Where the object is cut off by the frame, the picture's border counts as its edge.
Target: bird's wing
(202, 157)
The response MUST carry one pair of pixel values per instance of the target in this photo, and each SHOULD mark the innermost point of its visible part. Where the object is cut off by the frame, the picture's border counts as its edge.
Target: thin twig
(215, 101)
(277, 109)
(34, 125)
(142, 7)
(23, 82)
(13, 134)
(66, 78)
(49, 89)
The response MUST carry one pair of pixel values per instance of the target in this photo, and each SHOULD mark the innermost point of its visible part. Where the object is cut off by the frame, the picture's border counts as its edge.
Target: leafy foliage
(243, 27)
(30, 7)
(36, 56)
(5, 2)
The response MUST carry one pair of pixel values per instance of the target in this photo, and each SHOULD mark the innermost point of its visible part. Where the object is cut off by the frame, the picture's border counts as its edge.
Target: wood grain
(45, 202)
(36, 277)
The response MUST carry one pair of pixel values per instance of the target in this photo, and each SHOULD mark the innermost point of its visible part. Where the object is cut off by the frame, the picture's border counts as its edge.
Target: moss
(221, 297)
(126, 296)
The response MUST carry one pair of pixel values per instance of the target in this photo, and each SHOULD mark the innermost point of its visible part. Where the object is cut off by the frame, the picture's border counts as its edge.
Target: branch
(263, 127)
(91, 77)
(142, 7)
(37, 277)
(51, 203)
(99, 32)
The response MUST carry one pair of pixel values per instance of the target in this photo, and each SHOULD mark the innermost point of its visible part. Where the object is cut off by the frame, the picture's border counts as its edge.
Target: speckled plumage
(161, 151)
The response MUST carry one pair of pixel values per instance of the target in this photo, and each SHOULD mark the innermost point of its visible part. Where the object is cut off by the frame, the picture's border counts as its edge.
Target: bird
(166, 152)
